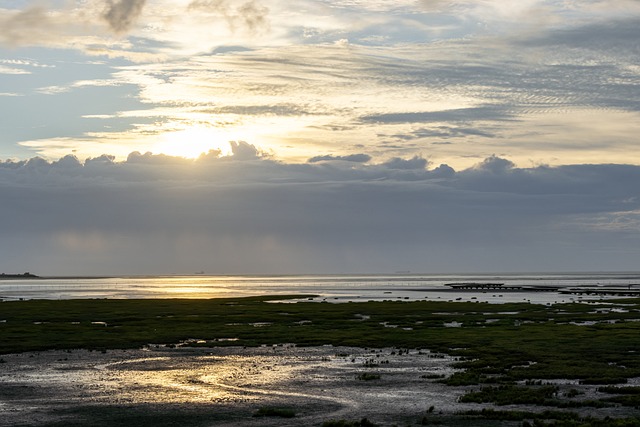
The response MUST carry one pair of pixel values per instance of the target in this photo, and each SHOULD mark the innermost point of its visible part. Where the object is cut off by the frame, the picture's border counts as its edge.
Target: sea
(538, 288)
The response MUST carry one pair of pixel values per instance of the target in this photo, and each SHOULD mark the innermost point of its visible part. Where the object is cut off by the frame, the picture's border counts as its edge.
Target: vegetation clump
(619, 390)
(344, 423)
(551, 419)
(511, 395)
(367, 376)
(275, 412)
(625, 396)
(433, 376)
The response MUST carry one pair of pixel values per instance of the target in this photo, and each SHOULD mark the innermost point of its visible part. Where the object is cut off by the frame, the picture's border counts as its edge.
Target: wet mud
(162, 386)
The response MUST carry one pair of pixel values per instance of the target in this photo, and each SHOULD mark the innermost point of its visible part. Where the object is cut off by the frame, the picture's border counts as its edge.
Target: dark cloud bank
(245, 213)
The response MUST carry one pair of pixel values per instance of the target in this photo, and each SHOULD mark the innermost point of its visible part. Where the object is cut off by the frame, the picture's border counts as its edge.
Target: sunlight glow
(193, 141)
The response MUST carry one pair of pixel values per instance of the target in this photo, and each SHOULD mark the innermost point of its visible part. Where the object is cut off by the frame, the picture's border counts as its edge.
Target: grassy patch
(511, 395)
(551, 418)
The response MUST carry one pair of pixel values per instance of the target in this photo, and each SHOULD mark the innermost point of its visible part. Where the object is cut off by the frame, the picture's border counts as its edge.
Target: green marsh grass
(522, 342)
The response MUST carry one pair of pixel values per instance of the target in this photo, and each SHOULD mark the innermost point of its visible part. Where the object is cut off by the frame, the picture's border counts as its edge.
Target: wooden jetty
(475, 286)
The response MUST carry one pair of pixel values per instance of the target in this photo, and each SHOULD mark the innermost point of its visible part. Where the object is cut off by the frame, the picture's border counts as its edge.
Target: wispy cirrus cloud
(12, 70)
(359, 74)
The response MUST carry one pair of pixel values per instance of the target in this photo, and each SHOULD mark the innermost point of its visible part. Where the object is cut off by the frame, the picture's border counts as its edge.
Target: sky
(321, 136)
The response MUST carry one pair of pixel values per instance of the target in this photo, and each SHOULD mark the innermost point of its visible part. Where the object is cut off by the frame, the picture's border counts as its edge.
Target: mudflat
(159, 386)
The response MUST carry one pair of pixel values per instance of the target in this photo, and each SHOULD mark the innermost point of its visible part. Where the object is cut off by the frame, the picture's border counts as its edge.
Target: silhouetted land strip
(26, 275)
(508, 351)
(632, 290)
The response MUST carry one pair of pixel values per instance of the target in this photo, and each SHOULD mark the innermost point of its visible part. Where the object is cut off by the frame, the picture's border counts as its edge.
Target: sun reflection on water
(170, 379)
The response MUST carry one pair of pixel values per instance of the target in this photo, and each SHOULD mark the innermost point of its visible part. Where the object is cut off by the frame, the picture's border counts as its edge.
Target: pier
(473, 286)
(477, 286)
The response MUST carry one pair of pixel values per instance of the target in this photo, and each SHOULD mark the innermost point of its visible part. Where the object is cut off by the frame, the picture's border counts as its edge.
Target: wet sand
(222, 386)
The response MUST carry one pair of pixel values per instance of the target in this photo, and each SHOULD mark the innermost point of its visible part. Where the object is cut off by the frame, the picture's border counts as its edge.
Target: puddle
(452, 324)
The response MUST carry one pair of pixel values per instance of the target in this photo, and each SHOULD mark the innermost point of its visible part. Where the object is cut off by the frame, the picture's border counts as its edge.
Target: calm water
(337, 288)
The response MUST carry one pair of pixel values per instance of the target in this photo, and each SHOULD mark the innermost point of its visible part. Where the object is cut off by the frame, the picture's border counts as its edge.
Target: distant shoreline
(26, 275)
(495, 289)
(453, 278)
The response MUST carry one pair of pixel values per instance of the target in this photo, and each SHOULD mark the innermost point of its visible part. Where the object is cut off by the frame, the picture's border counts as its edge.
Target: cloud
(436, 5)
(244, 151)
(254, 15)
(611, 37)
(163, 214)
(240, 151)
(121, 15)
(23, 26)
(489, 112)
(250, 15)
(104, 159)
(356, 158)
(256, 71)
(80, 28)
(12, 70)
(413, 163)
(449, 131)
(153, 159)
(495, 164)
(68, 162)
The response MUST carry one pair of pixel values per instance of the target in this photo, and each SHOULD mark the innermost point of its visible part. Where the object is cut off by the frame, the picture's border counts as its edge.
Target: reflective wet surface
(337, 288)
(222, 386)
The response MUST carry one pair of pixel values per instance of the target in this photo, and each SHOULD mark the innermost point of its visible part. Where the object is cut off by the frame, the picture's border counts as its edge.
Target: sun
(195, 140)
